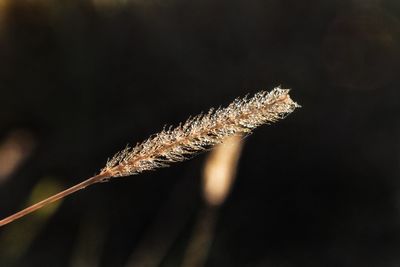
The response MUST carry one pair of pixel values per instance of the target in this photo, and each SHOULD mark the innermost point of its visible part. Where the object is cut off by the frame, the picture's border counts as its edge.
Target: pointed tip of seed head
(285, 92)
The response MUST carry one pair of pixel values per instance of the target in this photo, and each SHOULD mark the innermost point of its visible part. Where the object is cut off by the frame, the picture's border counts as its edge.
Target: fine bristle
(201, 132)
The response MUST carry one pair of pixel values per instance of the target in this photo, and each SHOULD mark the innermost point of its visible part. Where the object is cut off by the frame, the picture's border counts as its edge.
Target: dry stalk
(197, 134)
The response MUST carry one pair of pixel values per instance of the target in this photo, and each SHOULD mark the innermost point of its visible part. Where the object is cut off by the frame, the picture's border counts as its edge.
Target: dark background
(82, 79)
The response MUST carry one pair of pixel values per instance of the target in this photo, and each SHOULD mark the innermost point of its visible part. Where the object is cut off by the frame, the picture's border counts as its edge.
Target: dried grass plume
(202, 132)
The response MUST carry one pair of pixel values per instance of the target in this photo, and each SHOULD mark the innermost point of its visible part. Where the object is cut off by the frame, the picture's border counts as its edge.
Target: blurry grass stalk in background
(196, 135)
(220, 170)
(218, 177)
(14, 149)
(91, 238)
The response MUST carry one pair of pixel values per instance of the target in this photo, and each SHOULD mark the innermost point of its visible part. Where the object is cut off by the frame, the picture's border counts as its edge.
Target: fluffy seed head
(201, 133)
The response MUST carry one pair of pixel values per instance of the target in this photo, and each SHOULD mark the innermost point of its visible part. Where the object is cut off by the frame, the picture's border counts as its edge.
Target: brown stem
(66, 192)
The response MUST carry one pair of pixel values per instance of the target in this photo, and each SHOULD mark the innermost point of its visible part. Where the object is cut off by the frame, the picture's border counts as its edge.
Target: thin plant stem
(53, 198)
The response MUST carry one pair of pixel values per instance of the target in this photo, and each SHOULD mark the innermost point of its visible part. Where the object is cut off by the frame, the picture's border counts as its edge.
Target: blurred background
(81, 79)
